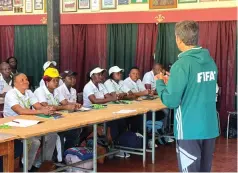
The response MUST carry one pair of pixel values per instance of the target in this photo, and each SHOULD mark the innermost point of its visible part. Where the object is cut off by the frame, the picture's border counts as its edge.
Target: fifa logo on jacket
(206, 76)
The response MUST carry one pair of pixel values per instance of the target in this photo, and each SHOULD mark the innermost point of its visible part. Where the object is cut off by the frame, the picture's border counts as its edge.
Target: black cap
(68, 73)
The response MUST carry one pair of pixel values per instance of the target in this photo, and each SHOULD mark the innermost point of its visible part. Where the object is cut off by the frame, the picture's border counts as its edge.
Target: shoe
(150, 144)
(122, 154)
(170, 140)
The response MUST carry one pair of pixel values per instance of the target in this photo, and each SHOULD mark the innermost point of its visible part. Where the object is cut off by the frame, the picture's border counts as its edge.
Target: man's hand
(47, 110)
(159, 76)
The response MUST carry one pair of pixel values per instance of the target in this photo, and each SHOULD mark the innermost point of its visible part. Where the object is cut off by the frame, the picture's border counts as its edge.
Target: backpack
(232, 128)
(77, 154)
(129, 139)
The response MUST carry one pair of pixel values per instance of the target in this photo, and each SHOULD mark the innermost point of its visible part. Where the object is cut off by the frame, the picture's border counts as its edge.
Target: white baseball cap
(48, 63)
(96, 70)
(115, 69)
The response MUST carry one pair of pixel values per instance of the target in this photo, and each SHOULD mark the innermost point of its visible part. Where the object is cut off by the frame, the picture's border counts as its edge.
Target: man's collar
(133, 81)
(66, 88)
(194, 48)
(19, 93)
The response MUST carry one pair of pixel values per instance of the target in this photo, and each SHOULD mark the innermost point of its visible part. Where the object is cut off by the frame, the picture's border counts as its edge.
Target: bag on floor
(232, 128)
(130, 139)
(158, 126)
(77, 154)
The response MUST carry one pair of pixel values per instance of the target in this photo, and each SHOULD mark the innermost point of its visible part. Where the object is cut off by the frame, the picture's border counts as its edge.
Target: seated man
(49, 64)
(5, 78)
(18, 101)
(135, 85)
(12, 61)
(150, 83)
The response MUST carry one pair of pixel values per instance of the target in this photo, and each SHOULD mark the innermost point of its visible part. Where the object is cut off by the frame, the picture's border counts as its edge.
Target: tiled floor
(225, 160)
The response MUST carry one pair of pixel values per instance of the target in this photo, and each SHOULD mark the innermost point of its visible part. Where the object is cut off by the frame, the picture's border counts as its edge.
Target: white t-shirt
(149, 79)
(42, 82)
(135, 87)
(43, 95)
(6, 86)
(62, 93)
(15, 97)
(90, 89)
(119, 87)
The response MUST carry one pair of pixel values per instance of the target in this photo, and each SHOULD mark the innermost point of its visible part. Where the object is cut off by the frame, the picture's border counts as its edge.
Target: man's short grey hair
(188, 32)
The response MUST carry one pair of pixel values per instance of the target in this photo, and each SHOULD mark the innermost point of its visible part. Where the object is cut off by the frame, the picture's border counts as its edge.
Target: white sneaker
(150, 144)
(170, 140)
(122, 154)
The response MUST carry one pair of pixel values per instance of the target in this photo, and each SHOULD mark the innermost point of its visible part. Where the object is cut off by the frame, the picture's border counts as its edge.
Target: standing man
(12, 61)
(191, 91)
(5, 78)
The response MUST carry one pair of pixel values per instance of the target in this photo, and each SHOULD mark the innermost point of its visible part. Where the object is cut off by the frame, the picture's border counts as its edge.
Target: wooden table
(81, 119)
(7, 151)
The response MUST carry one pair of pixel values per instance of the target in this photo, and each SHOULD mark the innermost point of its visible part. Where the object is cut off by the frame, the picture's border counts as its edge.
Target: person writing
(191, 92)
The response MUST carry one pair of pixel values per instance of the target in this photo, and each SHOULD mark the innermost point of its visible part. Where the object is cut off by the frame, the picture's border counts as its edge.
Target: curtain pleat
(6, 42)
(121, 46)
(145, 47)
(31, 51)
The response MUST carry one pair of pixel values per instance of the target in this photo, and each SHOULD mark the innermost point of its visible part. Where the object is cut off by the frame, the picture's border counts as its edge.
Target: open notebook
(22, 123)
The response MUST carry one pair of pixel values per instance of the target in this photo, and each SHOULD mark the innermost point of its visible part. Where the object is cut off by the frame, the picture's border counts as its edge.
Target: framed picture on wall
(69, 5)
(6, 5)
(187, 1)
(123, 2)
(162, 4)
(206, 0)
(29, 6)
(95, 5)
(138, 1)
(38, 4)
(108, 4)
(18, 3)
(84, 4)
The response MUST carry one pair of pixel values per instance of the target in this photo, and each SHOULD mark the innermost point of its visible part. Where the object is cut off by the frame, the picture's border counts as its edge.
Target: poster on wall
(29, 6)
(6, 5)
(123, 2)
(84, 4)
(38, 4)
(162, 4)
(95, 5)
(138, 1)
(108, 4)
(69, 5)
(18, 3)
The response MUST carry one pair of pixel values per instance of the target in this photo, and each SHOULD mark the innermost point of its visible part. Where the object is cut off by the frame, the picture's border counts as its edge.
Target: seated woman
(94, 91)
(45, 94)
(18, 101)
(115, 85)
(66, 94)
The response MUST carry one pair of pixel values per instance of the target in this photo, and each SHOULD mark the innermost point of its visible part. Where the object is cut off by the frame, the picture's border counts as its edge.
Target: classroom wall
(131, 13)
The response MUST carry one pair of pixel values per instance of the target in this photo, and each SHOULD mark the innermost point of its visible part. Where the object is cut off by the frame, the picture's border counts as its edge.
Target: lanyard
(52, 99)
(26, 104)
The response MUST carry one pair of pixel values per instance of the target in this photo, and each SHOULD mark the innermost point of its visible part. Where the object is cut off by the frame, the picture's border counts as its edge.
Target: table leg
(25, 156)
(153, 137)
(43, 149)
(144, 139)
(95, 148)
(105, 128)
(8, 159)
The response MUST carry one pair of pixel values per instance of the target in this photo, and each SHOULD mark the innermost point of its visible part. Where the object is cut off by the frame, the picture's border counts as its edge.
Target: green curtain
(31, 51)
(121, 45)
(166, 49)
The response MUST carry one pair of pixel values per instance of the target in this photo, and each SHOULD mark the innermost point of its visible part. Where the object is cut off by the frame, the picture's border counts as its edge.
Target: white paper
(22, 123)
(84, 109)
(123, 111)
